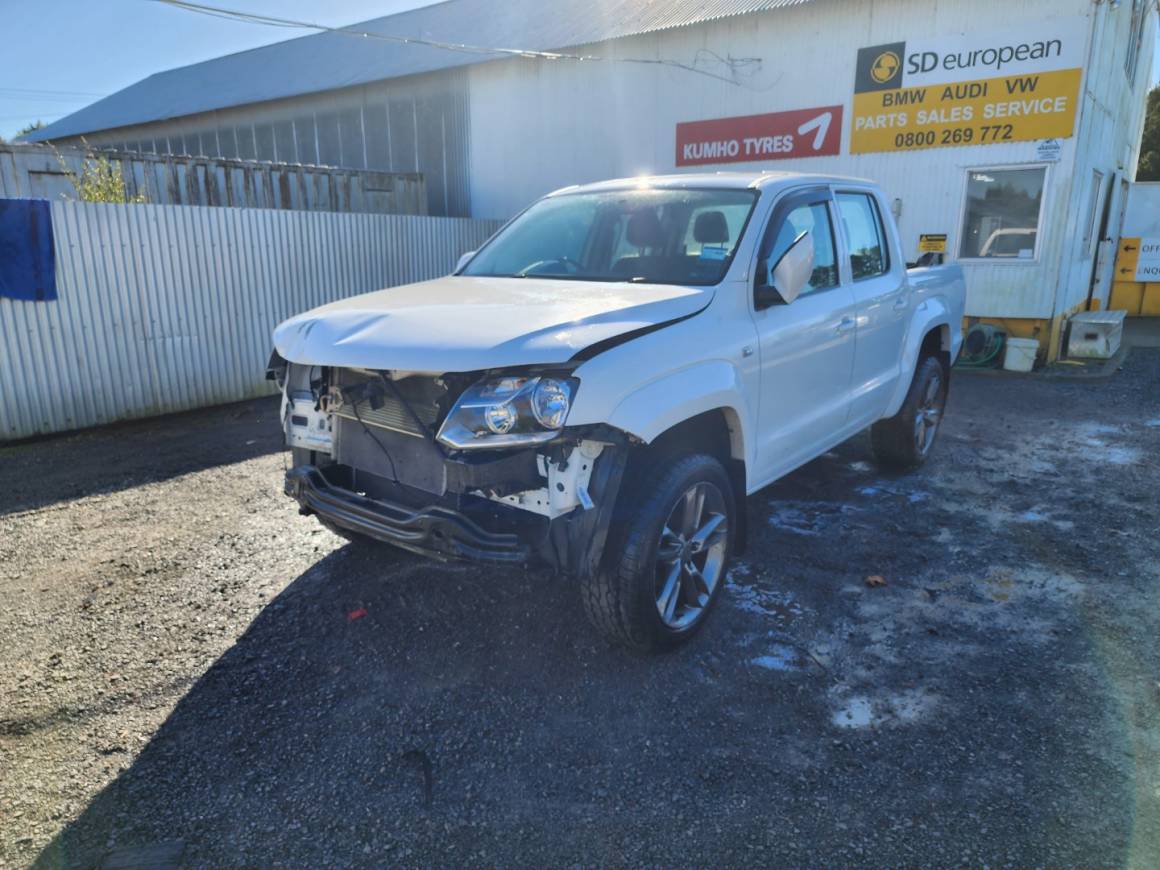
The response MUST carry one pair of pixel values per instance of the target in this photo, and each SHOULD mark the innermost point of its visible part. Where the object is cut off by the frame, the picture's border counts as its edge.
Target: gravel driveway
(192, 674)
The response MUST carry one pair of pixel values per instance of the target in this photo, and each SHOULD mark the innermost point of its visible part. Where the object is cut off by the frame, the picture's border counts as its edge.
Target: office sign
(1148, 261)
(758, 138)
(1016, 86)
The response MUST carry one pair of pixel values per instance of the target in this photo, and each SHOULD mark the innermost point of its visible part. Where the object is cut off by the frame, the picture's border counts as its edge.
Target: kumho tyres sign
(1016, 86)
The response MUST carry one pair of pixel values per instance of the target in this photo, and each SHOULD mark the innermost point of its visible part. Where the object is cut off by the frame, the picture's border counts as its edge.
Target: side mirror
(790, 274)
(463, 260)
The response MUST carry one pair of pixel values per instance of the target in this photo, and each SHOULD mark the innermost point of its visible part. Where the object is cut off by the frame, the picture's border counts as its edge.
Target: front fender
(659, 405)
(932, 313)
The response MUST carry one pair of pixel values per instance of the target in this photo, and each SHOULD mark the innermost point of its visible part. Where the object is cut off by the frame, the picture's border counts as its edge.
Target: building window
(1093, 212)
(1135, 40)
(1001, 215)
(864, 235)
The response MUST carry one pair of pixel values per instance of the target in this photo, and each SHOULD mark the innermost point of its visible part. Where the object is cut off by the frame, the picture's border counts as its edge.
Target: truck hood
(462, 324)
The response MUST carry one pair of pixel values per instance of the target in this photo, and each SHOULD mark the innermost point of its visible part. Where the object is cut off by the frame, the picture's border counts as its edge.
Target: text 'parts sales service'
(1016, 86)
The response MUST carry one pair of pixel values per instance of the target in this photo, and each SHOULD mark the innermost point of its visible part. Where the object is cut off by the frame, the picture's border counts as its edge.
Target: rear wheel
(905, 440)
(664, 568)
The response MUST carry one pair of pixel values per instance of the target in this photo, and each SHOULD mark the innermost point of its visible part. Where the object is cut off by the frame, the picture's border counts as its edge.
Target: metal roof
(325, 61)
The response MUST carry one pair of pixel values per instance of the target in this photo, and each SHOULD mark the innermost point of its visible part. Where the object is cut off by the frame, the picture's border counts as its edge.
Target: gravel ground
(188, 665)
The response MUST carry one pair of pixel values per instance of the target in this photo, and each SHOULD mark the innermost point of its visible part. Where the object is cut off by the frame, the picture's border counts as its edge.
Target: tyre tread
(608, 595)
(892, 439)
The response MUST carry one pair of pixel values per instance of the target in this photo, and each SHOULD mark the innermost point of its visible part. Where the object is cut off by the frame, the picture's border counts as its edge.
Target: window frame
(1092, 230)
(782, 209)
(1138, 17)
(887, 258)
(1035, 259)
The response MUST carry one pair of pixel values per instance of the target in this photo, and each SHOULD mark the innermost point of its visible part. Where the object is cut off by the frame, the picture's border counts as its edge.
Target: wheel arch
(716, 432)
(929, 333)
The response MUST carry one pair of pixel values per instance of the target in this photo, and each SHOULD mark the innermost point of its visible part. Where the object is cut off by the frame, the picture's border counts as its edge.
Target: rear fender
(932, 313)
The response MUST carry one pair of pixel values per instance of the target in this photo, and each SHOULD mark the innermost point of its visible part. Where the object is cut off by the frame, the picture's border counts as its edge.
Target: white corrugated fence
(169, 308)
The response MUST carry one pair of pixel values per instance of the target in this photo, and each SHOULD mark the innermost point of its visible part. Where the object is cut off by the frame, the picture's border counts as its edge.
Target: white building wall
(540, 125)
(1109, 142)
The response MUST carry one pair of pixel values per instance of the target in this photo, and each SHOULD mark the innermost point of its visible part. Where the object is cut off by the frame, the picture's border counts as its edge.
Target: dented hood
(459, 324)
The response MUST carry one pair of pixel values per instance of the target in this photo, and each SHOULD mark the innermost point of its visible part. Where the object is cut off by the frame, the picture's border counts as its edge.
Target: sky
(74, 51)
(80, 50)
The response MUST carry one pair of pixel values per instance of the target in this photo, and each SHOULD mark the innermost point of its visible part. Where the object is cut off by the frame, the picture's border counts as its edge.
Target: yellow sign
(970, 89)
(980, 112)
(932, 243)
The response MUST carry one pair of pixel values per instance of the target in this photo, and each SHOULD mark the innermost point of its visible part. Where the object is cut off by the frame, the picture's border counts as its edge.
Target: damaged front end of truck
(478, 465)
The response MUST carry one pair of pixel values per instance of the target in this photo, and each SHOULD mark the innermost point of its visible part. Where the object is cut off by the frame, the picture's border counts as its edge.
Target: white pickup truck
(598, 388)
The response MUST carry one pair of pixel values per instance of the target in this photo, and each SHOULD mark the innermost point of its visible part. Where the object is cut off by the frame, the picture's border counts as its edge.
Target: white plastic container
(1020, 353)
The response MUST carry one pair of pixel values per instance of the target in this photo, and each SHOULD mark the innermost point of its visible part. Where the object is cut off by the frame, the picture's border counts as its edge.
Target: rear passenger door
(807, 346)
(882, 296)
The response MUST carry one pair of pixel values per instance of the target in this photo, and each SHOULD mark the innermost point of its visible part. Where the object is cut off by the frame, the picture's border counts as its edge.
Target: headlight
(509, 412)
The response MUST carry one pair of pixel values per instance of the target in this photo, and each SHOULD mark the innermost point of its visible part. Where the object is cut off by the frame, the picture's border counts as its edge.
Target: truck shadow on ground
(37, 473)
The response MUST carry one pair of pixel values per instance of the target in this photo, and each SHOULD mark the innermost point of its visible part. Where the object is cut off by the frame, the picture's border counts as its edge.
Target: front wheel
(665, 567)
(905, 440)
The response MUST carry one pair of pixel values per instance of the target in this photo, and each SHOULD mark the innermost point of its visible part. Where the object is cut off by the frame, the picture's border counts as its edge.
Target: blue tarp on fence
(27, 266)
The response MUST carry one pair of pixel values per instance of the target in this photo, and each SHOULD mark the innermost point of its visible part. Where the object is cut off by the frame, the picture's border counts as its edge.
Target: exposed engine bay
(398, 440)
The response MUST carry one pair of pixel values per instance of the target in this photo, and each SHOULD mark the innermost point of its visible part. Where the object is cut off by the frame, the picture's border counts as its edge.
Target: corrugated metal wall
(415, 124)
(169, 308)
(35, 172)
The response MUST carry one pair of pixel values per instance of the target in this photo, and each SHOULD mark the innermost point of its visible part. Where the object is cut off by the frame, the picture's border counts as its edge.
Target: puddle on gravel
(778, 657)
(884, 710)
(855, 713)
(779, 605)
(809, 518)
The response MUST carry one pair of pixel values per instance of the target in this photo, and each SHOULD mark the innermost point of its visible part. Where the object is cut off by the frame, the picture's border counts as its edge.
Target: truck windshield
(647, 236)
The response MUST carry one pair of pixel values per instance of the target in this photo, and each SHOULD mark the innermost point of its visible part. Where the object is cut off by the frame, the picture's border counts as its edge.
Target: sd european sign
(969, 90)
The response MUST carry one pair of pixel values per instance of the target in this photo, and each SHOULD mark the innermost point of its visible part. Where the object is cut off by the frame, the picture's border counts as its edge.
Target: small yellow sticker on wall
(932, 243)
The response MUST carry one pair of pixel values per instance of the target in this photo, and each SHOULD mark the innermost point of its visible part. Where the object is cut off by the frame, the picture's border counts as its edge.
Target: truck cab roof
(713, 181)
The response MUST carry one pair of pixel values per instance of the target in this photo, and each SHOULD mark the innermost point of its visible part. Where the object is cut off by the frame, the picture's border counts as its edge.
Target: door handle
(846, 324)
(900, 303)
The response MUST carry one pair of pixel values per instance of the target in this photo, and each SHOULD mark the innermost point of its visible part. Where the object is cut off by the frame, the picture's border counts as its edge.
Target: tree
(100, 179)
(1150, 148)
(30, 128)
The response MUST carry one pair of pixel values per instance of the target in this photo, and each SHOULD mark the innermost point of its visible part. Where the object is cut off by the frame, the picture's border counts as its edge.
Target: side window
(864, 234)
(816, 219)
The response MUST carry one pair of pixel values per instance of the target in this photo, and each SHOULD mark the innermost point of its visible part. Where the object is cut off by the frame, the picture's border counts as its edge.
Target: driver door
(806, 347)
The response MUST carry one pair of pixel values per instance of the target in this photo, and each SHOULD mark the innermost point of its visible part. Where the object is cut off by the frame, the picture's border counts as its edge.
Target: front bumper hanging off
(433, 531)
(572, 543)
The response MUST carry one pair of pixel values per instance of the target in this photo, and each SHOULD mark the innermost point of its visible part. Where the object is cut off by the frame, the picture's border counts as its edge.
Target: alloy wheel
(928, 416)
(691, 555)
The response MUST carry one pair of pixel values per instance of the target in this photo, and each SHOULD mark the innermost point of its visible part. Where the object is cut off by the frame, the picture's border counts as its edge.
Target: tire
(905, 440)
(641, 597)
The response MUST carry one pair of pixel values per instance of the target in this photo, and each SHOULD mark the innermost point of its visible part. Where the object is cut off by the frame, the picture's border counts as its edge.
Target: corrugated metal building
(1005, 130)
